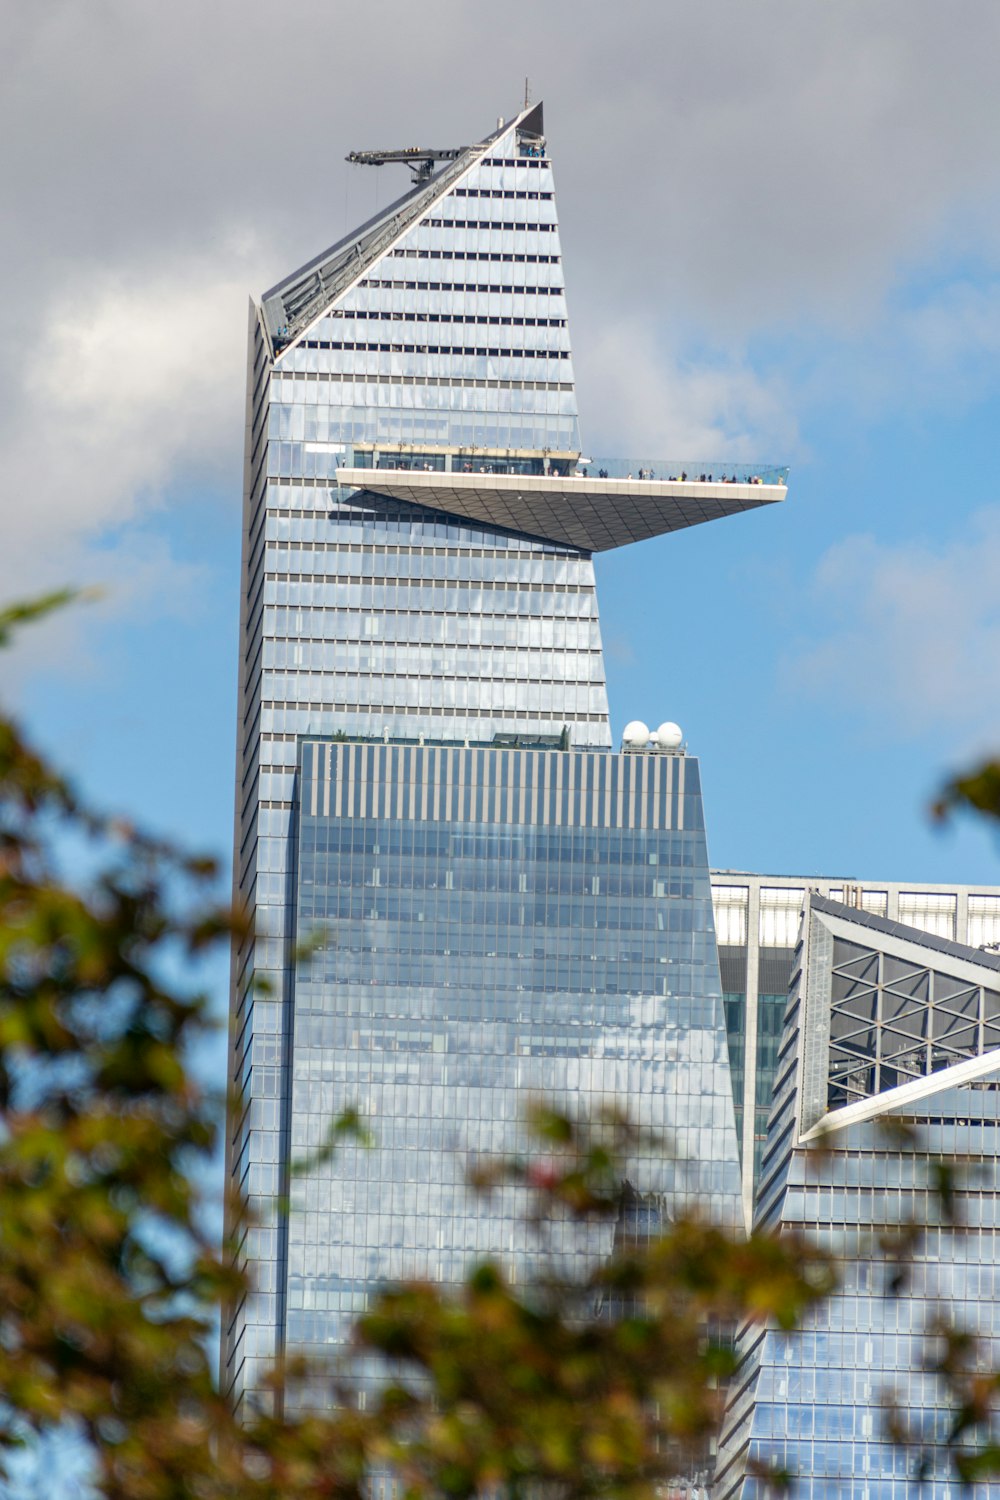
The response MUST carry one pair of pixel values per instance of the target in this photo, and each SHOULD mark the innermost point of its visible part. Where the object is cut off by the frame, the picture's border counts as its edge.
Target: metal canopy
(592, 514)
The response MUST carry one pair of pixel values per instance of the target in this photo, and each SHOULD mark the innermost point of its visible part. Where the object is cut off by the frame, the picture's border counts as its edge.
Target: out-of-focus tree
(110, 1289)
(976, 790)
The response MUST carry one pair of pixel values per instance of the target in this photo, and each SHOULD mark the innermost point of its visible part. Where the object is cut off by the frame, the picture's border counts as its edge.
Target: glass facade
(454, 344)
(811, 1402)
(436, 339)
(500, 907)
(366, 616)
(757, 920)
(494, 925)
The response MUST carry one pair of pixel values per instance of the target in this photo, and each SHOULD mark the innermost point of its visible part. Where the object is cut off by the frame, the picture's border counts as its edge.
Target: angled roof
(592, 514)
(299, 299)
(876, 1006)
(978, 956)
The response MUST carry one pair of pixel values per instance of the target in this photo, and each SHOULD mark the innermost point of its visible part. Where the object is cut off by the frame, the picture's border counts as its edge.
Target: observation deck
(594, 509)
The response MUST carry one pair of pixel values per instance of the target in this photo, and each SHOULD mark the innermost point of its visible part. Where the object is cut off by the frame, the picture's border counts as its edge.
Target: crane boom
(419, 159)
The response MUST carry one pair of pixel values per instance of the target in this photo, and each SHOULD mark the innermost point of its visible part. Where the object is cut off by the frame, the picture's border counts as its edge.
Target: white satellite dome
(635, 734)
(669, 736)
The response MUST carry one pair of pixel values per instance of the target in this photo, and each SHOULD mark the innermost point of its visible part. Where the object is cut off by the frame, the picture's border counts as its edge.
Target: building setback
(425, 783)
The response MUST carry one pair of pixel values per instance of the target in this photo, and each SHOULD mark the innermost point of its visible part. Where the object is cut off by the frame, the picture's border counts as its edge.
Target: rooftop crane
(419, 159)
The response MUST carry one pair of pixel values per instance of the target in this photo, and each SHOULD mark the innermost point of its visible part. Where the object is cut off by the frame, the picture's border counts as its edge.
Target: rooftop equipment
(419, 159)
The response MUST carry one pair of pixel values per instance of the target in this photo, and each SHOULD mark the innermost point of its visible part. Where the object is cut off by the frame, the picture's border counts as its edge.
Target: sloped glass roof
(295, 301)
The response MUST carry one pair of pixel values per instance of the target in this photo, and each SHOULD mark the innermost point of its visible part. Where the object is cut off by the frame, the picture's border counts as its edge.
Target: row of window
(322, 1031)
(375, 528)
(385, 674)
(542, 162)
(463, 286)
(500, 225)
(339, 883)
(580, 658)
(553, 565)
(440, 348)
(284, 391)
(383, 520)
(673, 853)
(490, 664)
(435, 711)
(576, 648)
(398, 549)
(559, 590)
(481, 192)
(377, 316)
(703, 1106)
(521, 258)
(319, 1033)
(397, 426)
(429, 907)
(528, 606)
(570, 656)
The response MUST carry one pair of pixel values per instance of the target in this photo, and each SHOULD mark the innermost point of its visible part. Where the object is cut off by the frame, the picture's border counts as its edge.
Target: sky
(781, 234)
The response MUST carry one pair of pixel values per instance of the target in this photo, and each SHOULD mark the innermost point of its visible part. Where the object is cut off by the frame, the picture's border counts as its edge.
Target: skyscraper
(890, 1061)
(424, 769)
(757, 921)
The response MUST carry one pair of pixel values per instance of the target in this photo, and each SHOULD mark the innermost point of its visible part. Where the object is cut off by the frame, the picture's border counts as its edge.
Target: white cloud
(121, 388)
(124, 390)
(906, 637)
(785, 171)
(742, 165)
(962, 318)
(933, 348)
(947, 347)
(639, 401)
(139, 580)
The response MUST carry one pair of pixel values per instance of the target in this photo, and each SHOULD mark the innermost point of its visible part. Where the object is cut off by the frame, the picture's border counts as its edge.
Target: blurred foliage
(110, 1290)
(976, 791)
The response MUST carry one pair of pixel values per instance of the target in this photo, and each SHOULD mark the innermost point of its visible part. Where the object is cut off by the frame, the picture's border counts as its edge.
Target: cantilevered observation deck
(592, 514)
(413, 461)
(428, 331)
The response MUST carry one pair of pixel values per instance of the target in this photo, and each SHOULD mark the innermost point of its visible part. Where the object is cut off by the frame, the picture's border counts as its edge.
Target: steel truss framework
(893, 1020)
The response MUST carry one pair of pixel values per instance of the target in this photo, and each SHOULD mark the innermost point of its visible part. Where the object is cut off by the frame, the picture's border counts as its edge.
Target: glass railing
(428, 462)
(470, 462)
(689, 472)
(583, 468)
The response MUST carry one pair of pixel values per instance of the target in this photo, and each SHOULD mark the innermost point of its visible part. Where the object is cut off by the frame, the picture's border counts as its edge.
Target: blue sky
(782, 240)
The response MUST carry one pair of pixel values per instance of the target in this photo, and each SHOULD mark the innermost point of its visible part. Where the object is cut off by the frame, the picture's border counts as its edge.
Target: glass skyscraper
(889, 1065)
(757, 921)
(498, 925)
(464, 898)
(425, 781)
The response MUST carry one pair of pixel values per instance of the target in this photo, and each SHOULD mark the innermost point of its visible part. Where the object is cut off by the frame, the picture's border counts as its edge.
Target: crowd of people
(557, 470)
(684, 478)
